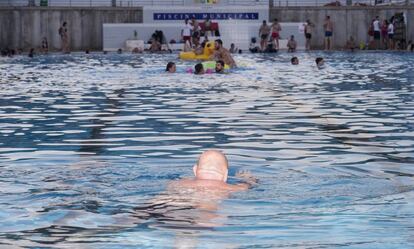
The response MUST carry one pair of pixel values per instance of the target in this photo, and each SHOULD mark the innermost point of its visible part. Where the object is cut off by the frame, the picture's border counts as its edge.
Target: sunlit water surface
(88, 145)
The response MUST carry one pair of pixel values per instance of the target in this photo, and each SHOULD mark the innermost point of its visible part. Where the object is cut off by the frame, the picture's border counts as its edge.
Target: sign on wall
(202, 16)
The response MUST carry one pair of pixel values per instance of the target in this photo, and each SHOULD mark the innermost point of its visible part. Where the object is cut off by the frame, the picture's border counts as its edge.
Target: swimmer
(320, 62)
(171, 68)
(211, 171)
(199, 69)
(219, 66)
(294, 60)
(32, 53)
(222, 54)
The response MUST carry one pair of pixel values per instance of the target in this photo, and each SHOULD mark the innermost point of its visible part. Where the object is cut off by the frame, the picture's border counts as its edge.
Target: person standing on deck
(308, 33)
(264, 35)
(328, 27)
(64, 37)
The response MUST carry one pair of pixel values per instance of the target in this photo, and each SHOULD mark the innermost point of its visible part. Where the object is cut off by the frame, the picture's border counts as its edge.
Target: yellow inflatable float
(207, 52)
(205, 56)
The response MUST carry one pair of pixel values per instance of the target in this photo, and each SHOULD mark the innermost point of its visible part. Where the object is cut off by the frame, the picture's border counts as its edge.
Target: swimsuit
(377, 35)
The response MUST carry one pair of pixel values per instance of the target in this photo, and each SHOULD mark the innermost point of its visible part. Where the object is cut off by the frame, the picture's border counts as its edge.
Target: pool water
(89, 143)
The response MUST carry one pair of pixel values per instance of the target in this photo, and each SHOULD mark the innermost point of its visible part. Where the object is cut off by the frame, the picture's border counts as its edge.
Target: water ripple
(88, 144)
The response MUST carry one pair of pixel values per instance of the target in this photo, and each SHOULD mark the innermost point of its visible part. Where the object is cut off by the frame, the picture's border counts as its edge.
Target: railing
(136, 3)
(129, 3)
(285, 3)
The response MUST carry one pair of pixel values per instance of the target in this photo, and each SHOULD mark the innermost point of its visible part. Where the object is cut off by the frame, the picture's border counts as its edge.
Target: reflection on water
(88, 145)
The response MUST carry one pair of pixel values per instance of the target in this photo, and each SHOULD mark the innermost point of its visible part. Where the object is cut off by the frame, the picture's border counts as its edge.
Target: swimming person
(294, 60)
(199, 69)
(219, 66)
(32, 53)
(211, 171)
(223, 54)
(171, 68)
(320, 62)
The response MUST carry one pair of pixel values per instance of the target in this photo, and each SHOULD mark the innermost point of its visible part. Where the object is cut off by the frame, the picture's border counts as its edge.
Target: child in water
(171, 68)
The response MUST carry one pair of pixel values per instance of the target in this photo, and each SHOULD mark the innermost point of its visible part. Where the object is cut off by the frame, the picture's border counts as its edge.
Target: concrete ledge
(304, 8)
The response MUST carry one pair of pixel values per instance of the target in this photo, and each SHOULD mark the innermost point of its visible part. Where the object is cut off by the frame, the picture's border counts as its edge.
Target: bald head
(211, 165)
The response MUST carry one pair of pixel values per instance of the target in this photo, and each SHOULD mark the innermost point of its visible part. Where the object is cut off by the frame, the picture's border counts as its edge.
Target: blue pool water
(88, 145)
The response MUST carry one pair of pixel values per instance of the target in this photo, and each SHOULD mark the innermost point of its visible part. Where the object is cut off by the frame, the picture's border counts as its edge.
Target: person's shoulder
(185, 182)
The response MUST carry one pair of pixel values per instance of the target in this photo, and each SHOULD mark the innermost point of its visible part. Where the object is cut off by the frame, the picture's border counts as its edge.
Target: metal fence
(286, 3)
(136, 3)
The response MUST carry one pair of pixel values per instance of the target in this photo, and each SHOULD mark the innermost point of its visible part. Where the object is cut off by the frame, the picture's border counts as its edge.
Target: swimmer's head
(219, 66)
(211, 165)
(198, 69)
(294, 60)
(218, 43)
(319, 62)
(171, 68)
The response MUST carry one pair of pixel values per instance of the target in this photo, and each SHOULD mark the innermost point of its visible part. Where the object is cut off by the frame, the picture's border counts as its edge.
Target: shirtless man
(308, 33)
(276, 28)
(264, 35)
(223, 54)
(211, 172)
(328, 27)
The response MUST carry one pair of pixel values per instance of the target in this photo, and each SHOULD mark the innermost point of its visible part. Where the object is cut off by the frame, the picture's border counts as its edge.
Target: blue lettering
(219, 16)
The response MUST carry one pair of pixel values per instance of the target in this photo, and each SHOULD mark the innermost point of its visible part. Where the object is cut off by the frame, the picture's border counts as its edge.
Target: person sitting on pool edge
(211, 171)
(320, 62)
(219, 66)
(294, 60)
(171, 68)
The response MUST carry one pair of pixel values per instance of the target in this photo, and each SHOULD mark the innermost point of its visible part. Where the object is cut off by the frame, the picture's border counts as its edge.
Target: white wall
(115, 35)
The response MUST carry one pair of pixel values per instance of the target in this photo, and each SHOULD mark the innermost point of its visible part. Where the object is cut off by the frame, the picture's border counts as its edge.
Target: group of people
(192, 32)
(320, 63)
(273, 31)
(270, 35)
(198, 68)
(221, 55)
(381, 33)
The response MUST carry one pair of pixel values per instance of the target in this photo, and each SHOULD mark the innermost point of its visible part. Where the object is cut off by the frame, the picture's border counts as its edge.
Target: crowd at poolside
(195, 37)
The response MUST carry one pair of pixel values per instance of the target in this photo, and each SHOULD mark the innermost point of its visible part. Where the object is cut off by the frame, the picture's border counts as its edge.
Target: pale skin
(188, 203)
(223, 54)
(328, 26)
(211, 172)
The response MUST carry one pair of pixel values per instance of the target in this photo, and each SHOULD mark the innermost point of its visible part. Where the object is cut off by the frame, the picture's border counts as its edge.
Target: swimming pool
(88, 142)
